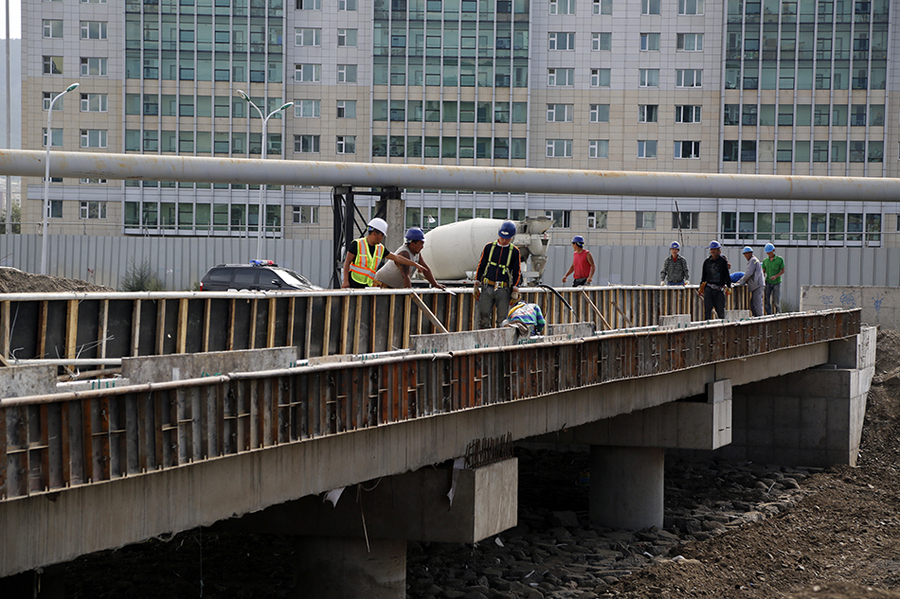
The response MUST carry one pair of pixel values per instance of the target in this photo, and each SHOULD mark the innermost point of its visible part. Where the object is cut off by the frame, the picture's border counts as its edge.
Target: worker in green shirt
(773, 267)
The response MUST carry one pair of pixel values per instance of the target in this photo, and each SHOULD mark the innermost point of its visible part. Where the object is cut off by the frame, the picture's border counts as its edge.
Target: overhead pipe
(30, 163)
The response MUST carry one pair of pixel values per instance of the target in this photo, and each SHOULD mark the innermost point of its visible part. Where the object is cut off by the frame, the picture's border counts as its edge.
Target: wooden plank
(309, 316)
(291, 319)
(345, 323)
(407, 310)
(104, 327)
(72, 328)
(254, 313)
(160, 327)
(5, 324)
(135, 328)
(428, 313)
(357, 330)
(391, 314)
(232, 311)
(270, 335)
(207, 308)
(327, 334)
(181, 344)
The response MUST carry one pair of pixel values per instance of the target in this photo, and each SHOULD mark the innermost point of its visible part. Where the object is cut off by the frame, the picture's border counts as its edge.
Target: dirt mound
(13, 280)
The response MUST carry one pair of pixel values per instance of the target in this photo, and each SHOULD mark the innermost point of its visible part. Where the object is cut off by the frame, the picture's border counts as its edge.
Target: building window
(347, 5)
(599, 113)
(307, 109)
(93, 102)
(93, 138)
(600, 78)
(685, 220)
(345, 144)
(601, 41)
(307, 73)
(306, 144)
(560, 77)
(93, 67)
(687, 114)
(55, 209)
(559, 113)
(92, 181)
(93, 30)
(309, 4)
(650, 7)
(93, 210)
(689, 42)
(346, 37)
(644, 220)
(56, 137)
(648, 113)
(690, 7)
(346, 73)
(562, 219)
(596, 219)
(602, 7)
(53, 65)
(687, 149)
(346, 109)
(731, 116)
(53, 28)
(306, 215)
(307, 37)
(561, 40)
(649, 78)
(559, 148)
(598, 148)
(562, 7)
(48, 98)
(650, 42)
(688, 77)
(646, 148)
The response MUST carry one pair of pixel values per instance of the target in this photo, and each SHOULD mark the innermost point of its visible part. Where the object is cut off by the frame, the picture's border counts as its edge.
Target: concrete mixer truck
(452, 251)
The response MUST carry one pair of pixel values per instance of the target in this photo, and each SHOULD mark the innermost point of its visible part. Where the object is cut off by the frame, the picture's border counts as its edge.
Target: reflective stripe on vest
(504, 268)
(362, 270)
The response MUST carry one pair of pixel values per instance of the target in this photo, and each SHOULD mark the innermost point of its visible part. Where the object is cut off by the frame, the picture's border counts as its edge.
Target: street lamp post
(47, 177)
(261, 217)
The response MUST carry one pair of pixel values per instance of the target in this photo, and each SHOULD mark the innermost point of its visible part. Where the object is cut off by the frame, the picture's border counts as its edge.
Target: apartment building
(770, 87)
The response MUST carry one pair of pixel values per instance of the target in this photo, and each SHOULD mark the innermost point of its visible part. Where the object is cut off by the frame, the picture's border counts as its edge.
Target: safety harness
(504, 268)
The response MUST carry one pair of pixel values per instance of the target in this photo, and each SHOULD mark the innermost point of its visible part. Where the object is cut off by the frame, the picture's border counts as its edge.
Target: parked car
(258, 275)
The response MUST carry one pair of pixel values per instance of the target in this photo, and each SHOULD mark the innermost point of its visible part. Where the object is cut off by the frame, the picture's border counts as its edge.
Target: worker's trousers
(490, 298)
(756, 301)
(713, 298)
(773, 298)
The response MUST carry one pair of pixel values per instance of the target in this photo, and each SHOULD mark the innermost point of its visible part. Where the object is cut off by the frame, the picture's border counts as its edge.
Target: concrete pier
(627, 486)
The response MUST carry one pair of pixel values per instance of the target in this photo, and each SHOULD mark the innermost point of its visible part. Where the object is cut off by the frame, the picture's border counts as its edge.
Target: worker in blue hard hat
(675, 267)
(396, 277)
(773, 267)
(365, 254)
(754, 280)
(498, 274)
(583, 266)
(715, 281)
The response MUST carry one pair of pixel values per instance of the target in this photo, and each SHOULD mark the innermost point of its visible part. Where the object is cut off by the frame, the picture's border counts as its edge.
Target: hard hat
(714, 245)
(747, 250)
(378, 224)
(770, 248)
(507, 230)
(578, 239)
(415, 234)
(675, 246)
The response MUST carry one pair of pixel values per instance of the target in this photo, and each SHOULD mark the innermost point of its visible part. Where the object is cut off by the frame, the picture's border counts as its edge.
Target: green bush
(140, 278)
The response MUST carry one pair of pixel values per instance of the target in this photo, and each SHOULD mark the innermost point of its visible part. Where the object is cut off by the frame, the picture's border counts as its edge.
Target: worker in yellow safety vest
(365, 254)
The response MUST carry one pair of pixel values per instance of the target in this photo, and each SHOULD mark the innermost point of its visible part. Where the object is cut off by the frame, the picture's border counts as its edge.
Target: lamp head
(286, 106)
(243, 94)
(71, 87)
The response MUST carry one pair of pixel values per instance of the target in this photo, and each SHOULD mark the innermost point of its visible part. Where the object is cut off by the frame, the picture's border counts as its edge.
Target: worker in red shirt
(582, 264)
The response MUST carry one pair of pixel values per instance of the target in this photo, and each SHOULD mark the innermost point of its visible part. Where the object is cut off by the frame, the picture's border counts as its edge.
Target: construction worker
(675, 267)
(364, 255)
(715, 282)
(582, 264)
(396, 277)
(497, 276)
(527, 319)
(773, 266)
(754, 280)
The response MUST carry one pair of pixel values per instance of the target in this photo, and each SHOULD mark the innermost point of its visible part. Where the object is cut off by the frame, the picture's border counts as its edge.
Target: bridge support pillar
(338, 567)
(627, 486)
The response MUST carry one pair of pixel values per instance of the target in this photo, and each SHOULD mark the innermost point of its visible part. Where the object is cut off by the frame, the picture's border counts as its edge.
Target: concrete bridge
(340, 391)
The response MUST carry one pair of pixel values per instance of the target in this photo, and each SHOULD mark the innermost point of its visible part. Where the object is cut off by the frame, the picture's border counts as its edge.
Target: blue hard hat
(714, 245)
(415, 234)
(747, 250)
(770, 247)
(507, 230)
(578, 239)
(675, 246)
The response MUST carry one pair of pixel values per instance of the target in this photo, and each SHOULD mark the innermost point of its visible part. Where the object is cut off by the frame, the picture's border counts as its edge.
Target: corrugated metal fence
(180, 262)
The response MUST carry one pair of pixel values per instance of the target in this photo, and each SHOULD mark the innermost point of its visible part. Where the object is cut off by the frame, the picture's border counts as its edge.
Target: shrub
(140, 278)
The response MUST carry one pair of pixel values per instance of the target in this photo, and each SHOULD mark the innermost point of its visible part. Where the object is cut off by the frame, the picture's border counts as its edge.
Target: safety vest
(503, 268)
(362, 270)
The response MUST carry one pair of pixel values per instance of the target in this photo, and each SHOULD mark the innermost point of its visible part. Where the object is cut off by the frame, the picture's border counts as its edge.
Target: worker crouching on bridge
(364, 255)
(397, 277)
(527, 319)
(715, 282)
(497, 276)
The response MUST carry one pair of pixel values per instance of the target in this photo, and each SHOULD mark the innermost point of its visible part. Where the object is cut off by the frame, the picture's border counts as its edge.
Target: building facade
(770, 87)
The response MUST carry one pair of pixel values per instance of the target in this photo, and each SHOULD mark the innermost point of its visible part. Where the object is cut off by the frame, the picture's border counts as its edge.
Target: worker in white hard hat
(365, 254)
(755, 281)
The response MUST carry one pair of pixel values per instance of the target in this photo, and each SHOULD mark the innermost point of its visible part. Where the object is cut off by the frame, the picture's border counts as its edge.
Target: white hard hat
(379, 224)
